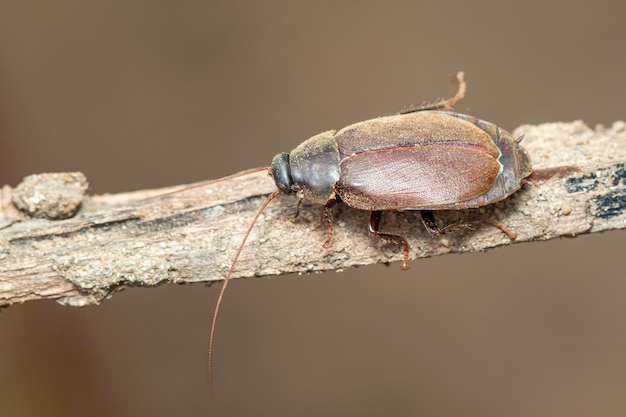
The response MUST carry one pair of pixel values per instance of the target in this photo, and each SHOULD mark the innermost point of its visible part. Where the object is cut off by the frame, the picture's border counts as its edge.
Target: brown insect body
(422, 159)
(425, 160)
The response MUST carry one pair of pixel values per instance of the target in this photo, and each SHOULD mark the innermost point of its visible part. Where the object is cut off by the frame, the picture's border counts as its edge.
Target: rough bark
(146, 238)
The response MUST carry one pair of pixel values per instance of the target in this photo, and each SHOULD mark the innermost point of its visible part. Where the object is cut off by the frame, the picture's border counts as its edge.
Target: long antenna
(220, 297)
(209, 182)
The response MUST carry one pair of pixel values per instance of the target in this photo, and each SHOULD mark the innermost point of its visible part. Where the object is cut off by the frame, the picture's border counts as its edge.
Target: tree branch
(140, 239)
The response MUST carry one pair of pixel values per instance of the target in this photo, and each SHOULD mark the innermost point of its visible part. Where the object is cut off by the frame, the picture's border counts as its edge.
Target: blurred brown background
(139, 94)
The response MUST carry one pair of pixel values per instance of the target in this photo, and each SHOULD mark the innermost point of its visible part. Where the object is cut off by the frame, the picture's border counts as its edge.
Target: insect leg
(389, 238)
(428, 219)
(444, 104)
(295, 216)
(327, 219)
(511, 234)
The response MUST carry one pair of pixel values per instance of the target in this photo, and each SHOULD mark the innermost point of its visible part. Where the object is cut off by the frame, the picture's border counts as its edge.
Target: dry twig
(115, 241)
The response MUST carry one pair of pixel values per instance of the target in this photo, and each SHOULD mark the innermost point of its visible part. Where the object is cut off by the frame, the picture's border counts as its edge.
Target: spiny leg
(389, 238)
(295, 216)
(428, 219)
(445, 104)
(510, 234)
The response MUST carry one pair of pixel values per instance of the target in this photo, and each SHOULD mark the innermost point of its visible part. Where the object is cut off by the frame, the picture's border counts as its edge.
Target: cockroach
(425, 158)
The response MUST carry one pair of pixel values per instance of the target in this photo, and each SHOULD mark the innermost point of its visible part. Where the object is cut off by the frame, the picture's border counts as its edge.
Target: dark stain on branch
(586, 182)
(611, 204)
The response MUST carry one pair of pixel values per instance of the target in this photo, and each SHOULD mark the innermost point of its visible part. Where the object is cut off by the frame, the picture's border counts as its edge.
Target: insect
(426, 158)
